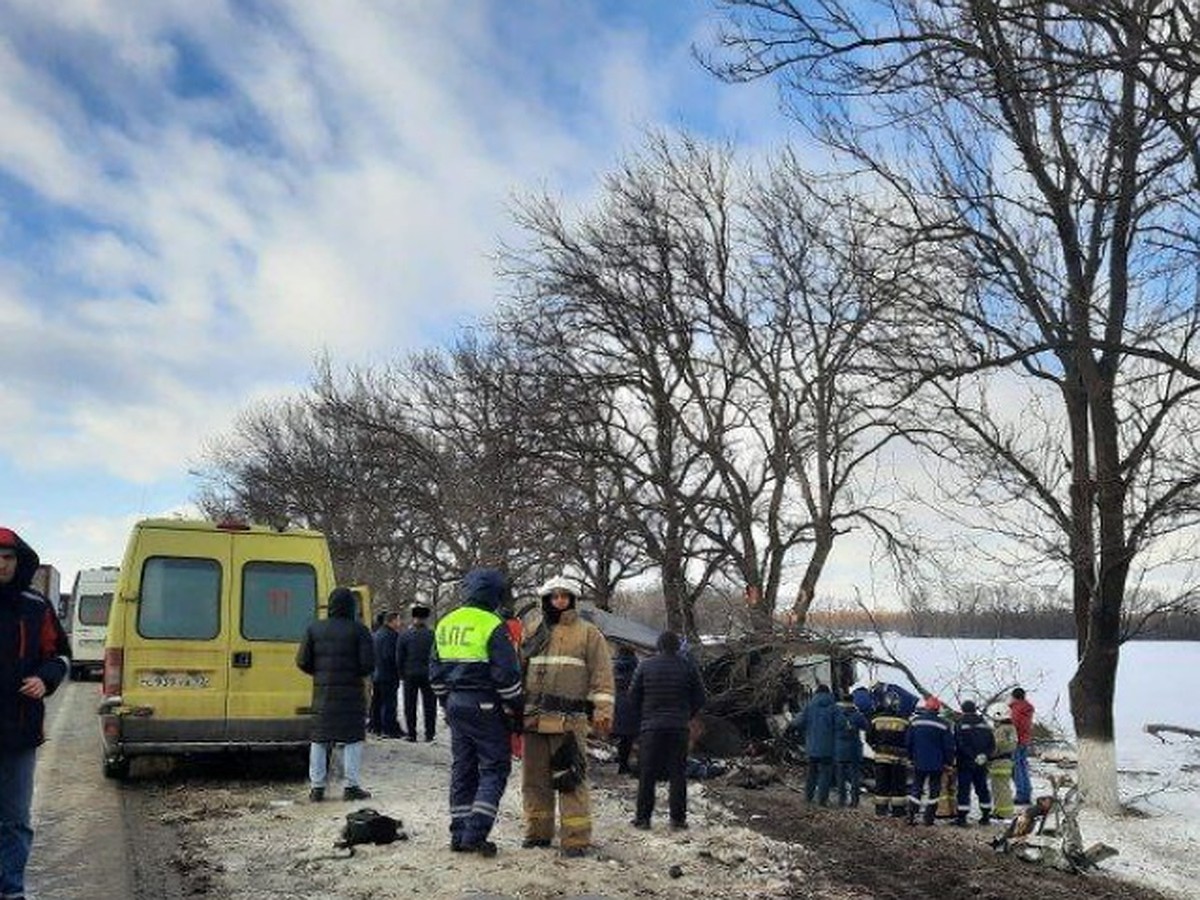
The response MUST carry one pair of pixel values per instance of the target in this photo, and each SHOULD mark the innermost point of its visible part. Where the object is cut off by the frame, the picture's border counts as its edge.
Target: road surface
(94, 837)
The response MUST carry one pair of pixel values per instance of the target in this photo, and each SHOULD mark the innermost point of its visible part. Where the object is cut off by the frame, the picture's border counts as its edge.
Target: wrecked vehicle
(1047, 832)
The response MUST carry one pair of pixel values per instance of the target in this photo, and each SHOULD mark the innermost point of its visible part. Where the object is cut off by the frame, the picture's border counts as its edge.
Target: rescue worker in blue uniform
(975, 744)
(474, 672)
(931, 749)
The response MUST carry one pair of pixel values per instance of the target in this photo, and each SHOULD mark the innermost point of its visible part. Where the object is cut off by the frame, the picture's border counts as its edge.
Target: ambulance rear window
(180, 599)
(93, 609)
(278, 600)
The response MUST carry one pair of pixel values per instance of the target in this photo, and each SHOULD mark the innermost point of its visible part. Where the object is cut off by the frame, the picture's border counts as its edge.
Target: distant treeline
(1000, 623)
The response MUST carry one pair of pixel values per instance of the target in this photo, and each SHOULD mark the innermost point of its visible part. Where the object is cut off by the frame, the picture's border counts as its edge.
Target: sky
(199, 199)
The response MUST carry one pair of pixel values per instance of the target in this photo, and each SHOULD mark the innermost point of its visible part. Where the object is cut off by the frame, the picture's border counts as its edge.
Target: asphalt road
(93, 837)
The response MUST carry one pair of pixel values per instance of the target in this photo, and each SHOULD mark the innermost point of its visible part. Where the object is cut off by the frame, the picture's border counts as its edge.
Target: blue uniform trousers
(480, 763)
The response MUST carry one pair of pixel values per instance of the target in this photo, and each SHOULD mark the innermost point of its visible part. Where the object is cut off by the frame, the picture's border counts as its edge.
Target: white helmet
(998, 712)
(559, 583)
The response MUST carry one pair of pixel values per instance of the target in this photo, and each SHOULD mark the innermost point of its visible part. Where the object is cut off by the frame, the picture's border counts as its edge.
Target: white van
(91, 599)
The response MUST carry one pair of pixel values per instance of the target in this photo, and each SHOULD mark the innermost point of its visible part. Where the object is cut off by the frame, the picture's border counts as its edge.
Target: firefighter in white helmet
(569, 691)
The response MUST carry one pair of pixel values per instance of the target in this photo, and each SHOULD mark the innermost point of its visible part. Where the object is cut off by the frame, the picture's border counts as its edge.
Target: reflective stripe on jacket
(887, 737)
(472, 652)
(569, 678)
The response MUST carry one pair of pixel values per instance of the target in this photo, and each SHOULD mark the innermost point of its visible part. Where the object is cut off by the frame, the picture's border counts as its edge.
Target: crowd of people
(929, 760)
(540, 696)
(504, 694)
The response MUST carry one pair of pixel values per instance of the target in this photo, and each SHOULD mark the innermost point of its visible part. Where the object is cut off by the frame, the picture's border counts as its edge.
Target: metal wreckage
(1047, 832)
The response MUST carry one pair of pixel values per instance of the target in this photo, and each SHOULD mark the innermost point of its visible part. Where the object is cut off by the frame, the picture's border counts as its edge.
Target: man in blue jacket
(817, 725)
(475, 673)
(931, 749)
(33, 663)
(848, 727)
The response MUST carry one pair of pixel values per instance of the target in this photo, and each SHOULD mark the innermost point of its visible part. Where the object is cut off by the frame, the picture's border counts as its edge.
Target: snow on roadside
(1158, 843)
(269, 841)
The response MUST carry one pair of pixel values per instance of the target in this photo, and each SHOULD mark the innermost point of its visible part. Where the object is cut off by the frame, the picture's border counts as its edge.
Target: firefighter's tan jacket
(570, 679)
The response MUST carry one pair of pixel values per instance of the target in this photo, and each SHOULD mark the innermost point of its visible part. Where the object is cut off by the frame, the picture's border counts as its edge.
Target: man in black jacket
(385, 681)
(412, 662)
(337, 653)
(666, 693)
(33, 662)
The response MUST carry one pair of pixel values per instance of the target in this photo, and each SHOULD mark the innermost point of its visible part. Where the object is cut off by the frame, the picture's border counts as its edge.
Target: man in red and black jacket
(34, 660)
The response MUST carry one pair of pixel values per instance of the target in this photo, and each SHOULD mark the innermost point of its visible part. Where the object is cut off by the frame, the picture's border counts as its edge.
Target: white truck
(91, 598)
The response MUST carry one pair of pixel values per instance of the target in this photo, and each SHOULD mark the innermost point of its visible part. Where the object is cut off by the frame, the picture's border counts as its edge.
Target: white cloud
(172, 254)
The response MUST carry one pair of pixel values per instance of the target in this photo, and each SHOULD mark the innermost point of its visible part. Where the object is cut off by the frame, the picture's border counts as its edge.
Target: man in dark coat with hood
(338, 654)
(816, 722)
(34, 660)
(474, 672)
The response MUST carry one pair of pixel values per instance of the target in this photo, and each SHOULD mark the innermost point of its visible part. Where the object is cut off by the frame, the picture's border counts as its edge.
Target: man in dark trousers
(337, 652)
(887, 735)
(930, 742)
(666, 694)
(412, 662)
(975, 743)
(475, 673)
(625, 717)
(34, 660)
(385, 680)
(816, 723)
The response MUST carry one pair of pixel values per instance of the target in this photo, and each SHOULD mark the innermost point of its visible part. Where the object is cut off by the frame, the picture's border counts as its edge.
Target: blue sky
(196, 199)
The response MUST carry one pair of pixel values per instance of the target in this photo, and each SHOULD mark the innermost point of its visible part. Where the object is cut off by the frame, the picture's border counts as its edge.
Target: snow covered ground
(1159, 780)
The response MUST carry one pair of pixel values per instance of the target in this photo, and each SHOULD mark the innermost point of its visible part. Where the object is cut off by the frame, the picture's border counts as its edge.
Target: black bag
(568, 768)
(369, 826)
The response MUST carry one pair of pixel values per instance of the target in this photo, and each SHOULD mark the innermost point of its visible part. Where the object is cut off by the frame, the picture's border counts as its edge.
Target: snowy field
(1160, 780)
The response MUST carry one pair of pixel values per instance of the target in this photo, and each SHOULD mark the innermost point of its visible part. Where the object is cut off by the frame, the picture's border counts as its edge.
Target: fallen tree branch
(1157, 729)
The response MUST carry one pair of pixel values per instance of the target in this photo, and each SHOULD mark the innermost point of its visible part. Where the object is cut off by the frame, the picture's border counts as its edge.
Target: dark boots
(930, 814)
(986, 818)
(960, 820)
(881, 809)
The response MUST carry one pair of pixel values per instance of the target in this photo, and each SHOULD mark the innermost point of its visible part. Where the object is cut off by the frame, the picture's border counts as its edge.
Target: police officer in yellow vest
(474, 672)
(568, 690)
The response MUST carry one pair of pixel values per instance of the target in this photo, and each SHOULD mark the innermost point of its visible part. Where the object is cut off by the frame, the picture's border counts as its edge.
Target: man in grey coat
(338, 654)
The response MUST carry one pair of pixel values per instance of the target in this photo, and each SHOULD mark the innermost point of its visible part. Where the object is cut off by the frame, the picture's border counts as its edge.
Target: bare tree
(607, 291)
(824, 283)
(1043, 149)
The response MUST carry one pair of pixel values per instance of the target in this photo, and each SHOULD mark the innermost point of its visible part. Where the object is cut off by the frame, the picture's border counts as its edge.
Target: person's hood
(341, 603)
(486, 589)
(27, 561)
(822, 698)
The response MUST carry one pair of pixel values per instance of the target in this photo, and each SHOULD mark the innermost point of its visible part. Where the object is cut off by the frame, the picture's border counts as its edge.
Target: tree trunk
(1094, 685)
(675, 591)
(822, 547)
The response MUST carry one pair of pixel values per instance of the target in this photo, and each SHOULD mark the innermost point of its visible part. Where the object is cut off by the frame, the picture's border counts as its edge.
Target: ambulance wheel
(117, 768)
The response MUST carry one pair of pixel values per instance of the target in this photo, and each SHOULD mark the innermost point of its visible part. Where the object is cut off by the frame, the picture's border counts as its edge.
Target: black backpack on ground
(369, 826)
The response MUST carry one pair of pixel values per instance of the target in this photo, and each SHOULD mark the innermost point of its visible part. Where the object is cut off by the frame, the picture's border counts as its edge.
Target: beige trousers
(539, 795)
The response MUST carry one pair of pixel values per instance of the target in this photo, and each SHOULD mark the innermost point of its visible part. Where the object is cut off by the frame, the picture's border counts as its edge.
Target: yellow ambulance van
(201, 647)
